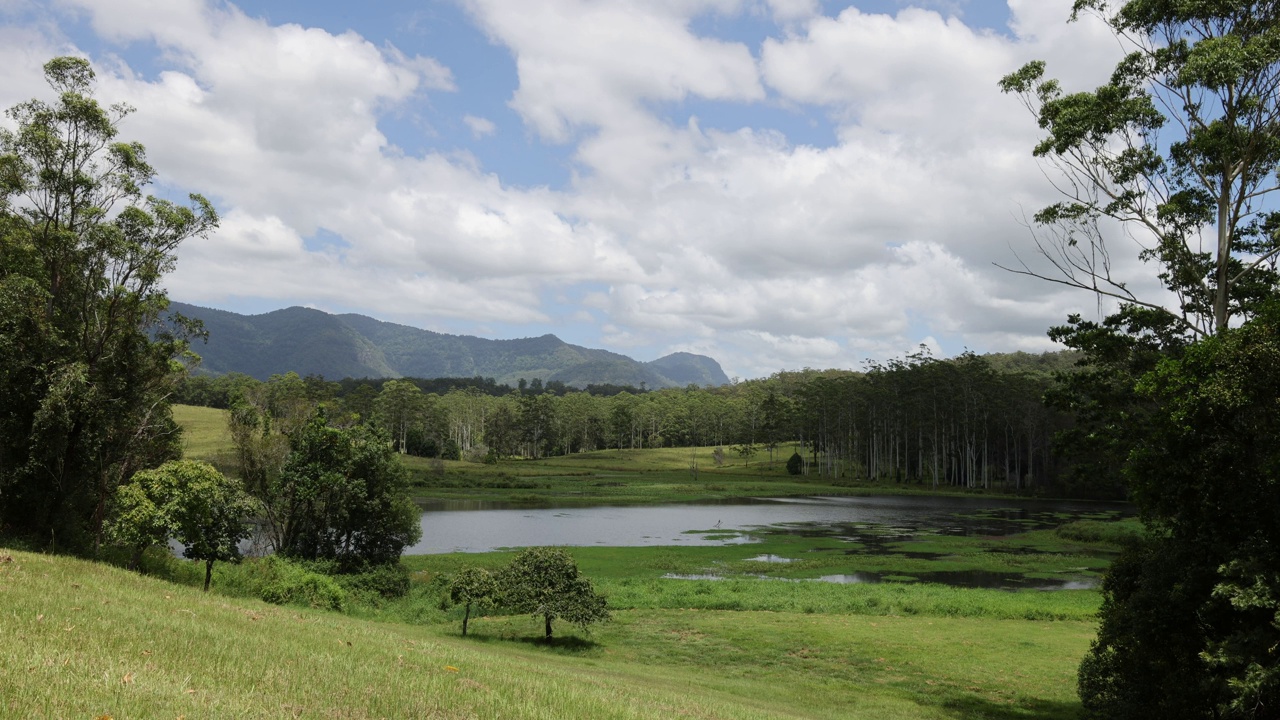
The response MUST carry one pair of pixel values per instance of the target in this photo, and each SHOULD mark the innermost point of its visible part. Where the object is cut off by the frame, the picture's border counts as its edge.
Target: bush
(795, 464)
(280, 582)
(377, 581)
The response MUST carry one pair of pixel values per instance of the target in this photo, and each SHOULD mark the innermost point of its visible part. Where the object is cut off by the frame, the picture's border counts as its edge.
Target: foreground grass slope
(83, 640)
(86, 640)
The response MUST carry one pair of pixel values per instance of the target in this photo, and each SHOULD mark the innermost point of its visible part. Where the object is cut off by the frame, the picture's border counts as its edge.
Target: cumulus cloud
(480, 127)
(729, 237)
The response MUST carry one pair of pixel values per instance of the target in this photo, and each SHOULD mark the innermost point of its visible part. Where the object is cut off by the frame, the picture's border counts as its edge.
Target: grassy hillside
(83, 640)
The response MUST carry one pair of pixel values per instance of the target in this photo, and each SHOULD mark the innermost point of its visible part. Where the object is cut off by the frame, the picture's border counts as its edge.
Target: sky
(778, 184)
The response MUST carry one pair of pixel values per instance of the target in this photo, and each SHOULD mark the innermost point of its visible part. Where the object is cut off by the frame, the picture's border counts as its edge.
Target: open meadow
(87, 640)
(706, 632)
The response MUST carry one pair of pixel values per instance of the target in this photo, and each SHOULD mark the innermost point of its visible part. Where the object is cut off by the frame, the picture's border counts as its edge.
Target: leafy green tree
(342, 495)
(86, 357)
(141, 513)
(795, 464)
(472, 586)
(546, 582)
(209, 513)
(184, 500)
(1190, 630)
(1182, 145)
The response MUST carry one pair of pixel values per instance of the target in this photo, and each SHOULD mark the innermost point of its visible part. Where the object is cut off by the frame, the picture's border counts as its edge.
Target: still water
(473, 527)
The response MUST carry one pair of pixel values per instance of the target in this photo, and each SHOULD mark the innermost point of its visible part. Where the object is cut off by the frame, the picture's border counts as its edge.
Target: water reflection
(969, 579)
(869, 521)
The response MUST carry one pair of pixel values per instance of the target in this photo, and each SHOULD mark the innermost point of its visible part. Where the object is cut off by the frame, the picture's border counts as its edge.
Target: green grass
(742, 646)
(632, 579)
(84, 640)
(205, 436)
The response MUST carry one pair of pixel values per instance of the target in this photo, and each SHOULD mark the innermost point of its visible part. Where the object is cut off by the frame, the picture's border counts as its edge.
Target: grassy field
(604, 477)
(88, 640)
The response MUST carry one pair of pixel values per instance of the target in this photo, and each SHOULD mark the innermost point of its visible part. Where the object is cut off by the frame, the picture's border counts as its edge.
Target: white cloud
(735, 239)
(480, 127)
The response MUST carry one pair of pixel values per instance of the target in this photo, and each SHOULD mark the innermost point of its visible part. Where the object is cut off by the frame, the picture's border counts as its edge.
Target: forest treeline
(971, 421)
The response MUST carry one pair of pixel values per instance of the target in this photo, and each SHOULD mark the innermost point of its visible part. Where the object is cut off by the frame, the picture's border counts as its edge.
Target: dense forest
(972, 421)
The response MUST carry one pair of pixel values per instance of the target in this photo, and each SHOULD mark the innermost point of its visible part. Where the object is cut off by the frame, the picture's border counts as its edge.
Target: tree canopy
(187, 501)
(546, 582)
(1179, 150)
(87, 354)
(1180, 145)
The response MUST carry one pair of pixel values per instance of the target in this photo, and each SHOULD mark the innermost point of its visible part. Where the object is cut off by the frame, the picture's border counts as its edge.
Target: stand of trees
(958, 422)
(1180, 150)
(87, 349)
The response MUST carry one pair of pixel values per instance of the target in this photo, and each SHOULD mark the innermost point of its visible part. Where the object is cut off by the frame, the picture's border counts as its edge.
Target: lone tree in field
(87, 359)
(1180, 150)
(546, 582)
(473, 586)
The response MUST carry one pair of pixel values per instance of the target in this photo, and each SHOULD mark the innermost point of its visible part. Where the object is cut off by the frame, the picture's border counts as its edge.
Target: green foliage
(208, 511)
(472, 586)
(87, 356)
(342, 495)
(1205, 477)
(1181, 142)
(281, 582)
(376, 582)
(1178, 398)
(141, 516)
(795, 464)
(188, 501)
(546, 582)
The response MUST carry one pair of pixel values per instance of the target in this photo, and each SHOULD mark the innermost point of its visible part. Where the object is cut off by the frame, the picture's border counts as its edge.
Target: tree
(398, 408)
(472, 586)
(87, 361)
(1182, 146)
(209, 513)
(141, 514)
(795, 464)
(546, 582)
(342, 495)
(184, 500)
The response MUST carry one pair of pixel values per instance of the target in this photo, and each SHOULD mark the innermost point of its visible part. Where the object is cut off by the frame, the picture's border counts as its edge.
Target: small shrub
(380, 581)
(281, 582)
(795, 464)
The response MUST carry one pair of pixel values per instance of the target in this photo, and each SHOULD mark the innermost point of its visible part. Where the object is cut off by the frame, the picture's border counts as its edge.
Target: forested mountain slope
(309, 341)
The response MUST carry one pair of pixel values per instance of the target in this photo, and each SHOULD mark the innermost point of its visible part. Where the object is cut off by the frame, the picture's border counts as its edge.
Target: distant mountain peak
(309, 341)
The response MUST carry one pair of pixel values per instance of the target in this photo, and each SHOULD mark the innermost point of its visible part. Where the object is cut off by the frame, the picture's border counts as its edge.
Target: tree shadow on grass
(569, 645)
(970, 706)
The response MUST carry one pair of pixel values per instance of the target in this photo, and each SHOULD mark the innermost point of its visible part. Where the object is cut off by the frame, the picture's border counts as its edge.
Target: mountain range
(308, 341)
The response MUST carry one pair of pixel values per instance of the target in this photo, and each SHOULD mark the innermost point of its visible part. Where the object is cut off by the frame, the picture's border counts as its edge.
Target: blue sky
(775, 183)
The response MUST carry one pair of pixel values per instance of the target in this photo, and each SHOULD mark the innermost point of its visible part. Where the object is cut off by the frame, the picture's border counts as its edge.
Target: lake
(473, 527)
